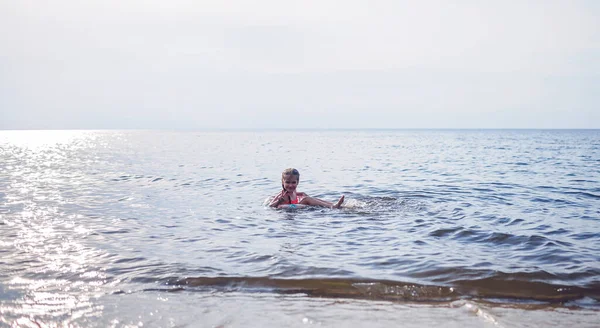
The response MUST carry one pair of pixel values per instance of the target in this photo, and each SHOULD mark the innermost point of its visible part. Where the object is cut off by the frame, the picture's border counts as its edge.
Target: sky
(277, 64)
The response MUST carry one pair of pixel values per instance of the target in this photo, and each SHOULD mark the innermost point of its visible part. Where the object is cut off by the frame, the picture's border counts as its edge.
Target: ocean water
(458, 228)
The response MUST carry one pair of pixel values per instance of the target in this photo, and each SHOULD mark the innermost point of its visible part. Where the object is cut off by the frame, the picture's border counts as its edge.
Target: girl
(290, 198)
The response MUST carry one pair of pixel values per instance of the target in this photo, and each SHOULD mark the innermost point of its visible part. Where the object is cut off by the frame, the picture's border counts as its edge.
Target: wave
(492, 288)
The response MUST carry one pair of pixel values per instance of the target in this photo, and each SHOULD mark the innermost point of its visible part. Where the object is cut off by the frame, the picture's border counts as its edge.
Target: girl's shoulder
(301, 194)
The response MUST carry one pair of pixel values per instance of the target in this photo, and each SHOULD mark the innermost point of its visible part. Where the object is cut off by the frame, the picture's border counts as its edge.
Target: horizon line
(284, 129)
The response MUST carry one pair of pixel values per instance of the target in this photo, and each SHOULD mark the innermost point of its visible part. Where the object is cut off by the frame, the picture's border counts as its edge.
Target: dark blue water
(92, 222)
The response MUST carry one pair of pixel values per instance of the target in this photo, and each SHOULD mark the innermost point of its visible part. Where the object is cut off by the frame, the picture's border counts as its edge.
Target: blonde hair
(290, 171)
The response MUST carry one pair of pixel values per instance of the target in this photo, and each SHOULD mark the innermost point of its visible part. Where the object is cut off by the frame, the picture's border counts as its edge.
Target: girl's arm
(277, 200)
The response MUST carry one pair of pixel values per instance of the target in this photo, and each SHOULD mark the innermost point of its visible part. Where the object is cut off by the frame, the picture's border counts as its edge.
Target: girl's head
(290, 179)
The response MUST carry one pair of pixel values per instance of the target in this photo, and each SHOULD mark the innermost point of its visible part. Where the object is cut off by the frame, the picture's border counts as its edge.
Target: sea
(155, 228)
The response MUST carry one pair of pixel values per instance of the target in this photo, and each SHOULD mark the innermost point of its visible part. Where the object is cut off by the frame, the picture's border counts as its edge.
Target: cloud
(350, 64)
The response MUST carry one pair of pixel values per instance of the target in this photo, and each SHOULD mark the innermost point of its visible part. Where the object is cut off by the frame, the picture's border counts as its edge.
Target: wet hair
(290, 171)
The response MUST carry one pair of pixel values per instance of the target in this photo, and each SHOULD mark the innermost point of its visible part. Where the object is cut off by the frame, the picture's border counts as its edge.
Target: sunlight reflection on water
(43, 139)
(90, 219)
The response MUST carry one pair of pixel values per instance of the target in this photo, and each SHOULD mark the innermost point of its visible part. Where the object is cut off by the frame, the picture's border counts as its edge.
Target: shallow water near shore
(464, 228)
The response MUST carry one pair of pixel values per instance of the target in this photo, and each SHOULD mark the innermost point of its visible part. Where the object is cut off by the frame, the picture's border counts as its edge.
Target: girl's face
(290, 182)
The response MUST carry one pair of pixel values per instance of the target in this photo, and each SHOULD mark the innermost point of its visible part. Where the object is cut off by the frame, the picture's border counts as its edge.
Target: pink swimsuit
(297, 200)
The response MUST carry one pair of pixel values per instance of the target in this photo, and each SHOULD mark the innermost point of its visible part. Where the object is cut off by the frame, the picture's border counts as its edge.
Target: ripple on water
(486, 214)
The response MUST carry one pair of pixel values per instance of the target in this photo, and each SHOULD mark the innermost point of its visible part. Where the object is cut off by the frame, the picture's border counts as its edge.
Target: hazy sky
(299, 64)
